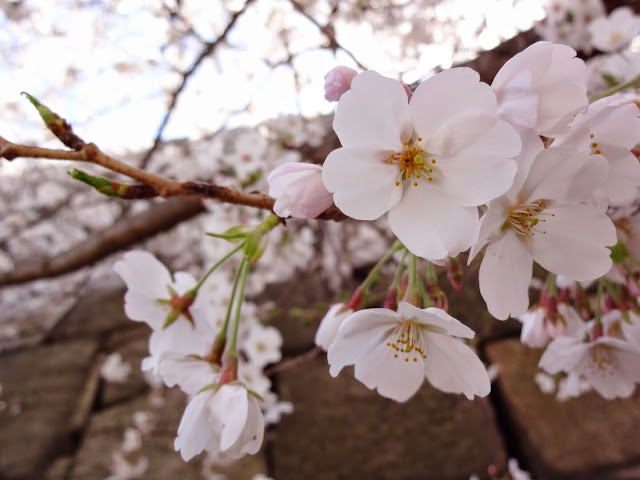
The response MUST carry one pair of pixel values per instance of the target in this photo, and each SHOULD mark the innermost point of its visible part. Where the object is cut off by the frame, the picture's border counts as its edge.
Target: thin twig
(294, 362)
(208, 49)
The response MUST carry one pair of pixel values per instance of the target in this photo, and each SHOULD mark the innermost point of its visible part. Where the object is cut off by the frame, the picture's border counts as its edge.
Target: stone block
(583, 438)
(42, 390)
(342, 430)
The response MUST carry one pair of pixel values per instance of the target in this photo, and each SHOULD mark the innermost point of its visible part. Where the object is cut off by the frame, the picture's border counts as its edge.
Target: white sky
(103, 67)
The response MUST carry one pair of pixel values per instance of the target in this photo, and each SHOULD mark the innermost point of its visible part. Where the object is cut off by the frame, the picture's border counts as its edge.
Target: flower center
(594, 145)
(525, 218)
(600, 358)
(413, 162)
(407, 342)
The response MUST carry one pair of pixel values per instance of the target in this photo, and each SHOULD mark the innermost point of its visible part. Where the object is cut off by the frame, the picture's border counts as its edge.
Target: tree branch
(122, 234)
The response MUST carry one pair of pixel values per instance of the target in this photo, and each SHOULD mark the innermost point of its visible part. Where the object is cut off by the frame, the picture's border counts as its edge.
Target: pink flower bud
(299, 190)
(337, 81)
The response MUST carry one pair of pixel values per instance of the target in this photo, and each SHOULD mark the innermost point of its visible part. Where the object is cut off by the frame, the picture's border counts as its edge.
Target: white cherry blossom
(394, 351)
(608, 364)
(262, 345)
(150, 298)
(227, 420)
(541, 218)
(542, 88)
(429, 162)
(614, 32)
(612, 130)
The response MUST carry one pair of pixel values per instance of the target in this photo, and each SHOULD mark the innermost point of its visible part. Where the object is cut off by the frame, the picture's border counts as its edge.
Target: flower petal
(572, 242)
(505, 274)
(229, 410)
(194, 431)
(483, 169)
(435, 317)
(432, 226)
(144, 274)
(359, 333)
(452, 367)
(363, 183)
(443, 96)
(373, 114)
(393, 377)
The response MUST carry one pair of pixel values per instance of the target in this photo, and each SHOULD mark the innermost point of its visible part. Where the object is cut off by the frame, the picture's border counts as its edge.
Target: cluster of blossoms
(524, 170)
(539, 162)
(584, 25)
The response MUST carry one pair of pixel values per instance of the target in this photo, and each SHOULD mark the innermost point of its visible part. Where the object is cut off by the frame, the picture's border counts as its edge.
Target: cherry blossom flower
(153, 296)
(542, 88)
(541, 219)
(337, 81)
(330, 324)
(608, 364)
(612, 33)
(612, 130)
(428, 162)
(538, 330)
(227, 420)
(394, 351)
(299, 190)
(262, 345)
(115, 369)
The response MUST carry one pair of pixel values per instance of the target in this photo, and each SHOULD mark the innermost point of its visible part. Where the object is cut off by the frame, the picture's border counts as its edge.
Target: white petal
(430, 225)
(359, 333)
(194, 431)
(563, 354)
(435, 317)
(373, 114)
(624, 175)
(250, 439)
(575, 241)
(397, 378)
(443, 96)
(142, 308)
(330, 324)
(505, 274)
(363, 183)
(190, 374)
(144, 274)
(229, 407)
(490, 224)
(483, 169)
(451, 366)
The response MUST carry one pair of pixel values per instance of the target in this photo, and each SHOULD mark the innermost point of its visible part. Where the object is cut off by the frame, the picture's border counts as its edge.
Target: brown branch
(163, 187)
(294, 362)
(122, 234)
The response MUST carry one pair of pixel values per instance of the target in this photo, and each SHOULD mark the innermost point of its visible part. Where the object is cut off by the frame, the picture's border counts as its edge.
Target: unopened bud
(392, 299)
(338, 81)
(454, 273)
(356, 300)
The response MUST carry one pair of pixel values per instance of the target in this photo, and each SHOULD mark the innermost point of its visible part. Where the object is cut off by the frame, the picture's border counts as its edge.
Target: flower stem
(244, 268)
(222, 335)
(631, 84)
(194, 290)
(601, 285)
(373, 274)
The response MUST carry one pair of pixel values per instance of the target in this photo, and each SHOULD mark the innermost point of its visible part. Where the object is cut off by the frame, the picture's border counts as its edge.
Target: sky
(106, 65)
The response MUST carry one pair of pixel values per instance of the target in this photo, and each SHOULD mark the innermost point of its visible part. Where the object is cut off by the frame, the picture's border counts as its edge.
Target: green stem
(399, 271)
(397, 245)
(223, 332)
(631, 84)
(598, 317)
(244, 268)
(194, 290)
